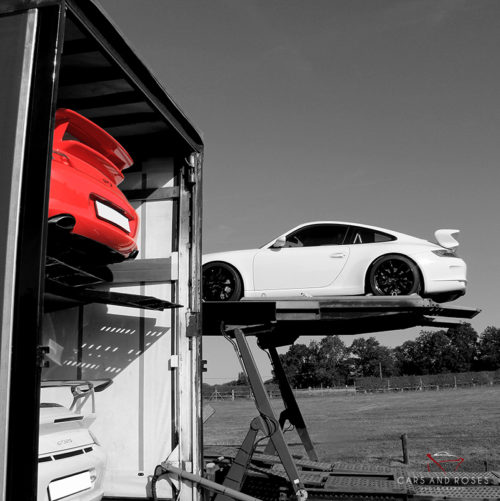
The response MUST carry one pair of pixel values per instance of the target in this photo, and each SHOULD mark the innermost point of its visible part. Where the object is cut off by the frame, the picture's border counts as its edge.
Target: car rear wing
(445, 238)
(80, 389)
(93, 144)
(96, 384)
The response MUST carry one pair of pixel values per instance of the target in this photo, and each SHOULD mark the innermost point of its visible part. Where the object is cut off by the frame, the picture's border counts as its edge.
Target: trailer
(140, 328)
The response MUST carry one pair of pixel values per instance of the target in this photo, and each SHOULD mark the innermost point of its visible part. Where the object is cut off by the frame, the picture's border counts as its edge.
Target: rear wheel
(394, 275)
(221, 282)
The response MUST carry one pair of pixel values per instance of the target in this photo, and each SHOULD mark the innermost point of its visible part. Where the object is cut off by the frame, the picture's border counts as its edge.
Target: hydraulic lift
(278, 323)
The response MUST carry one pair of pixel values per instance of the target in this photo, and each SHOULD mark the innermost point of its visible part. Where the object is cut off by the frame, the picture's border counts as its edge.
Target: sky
(382, 112)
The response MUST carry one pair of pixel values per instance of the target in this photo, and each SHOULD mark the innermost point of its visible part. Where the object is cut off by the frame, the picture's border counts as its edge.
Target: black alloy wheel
(221, 282)
(394, 275)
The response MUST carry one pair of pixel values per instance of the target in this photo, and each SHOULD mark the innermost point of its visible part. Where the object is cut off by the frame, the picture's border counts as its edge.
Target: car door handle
(337, 255)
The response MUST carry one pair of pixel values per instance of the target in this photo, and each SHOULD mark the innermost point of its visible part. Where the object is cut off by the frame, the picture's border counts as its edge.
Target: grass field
(367, 427)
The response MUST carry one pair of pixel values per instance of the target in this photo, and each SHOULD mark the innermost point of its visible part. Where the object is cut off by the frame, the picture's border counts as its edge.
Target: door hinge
(190, 169)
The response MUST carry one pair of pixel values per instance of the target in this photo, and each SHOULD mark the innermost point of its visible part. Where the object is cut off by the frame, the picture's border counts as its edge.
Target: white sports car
(71, 463)
(331, 258)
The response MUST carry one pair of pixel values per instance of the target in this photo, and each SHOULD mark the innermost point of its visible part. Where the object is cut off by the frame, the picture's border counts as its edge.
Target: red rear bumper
(73, 192)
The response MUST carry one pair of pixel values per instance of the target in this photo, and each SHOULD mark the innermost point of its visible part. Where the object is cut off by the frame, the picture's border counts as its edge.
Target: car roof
(399, 235)
(346, 223)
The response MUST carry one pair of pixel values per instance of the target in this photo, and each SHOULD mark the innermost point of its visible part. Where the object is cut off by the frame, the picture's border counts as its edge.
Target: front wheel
(221, 282)
(394, 275)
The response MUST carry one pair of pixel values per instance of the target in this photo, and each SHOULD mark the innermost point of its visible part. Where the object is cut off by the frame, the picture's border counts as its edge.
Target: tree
(463, 339)
(489, 349)
(371, 358)
(331, 361)
(242, 379)
(407, 358)
(299, 366)
(435, 352)
(320, 363)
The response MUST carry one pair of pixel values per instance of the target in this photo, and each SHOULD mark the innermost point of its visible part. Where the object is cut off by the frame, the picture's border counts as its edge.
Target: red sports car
(85, 200)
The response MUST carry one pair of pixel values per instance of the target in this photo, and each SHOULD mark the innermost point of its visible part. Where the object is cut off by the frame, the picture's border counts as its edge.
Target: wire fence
(246, 393)
(428, 381)
(437, 382)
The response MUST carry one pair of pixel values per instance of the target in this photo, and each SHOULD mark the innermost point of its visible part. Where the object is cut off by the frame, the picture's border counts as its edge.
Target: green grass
(367, 427)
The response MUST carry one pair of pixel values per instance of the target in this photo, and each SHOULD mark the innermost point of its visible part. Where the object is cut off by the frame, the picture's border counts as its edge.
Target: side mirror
(279, 242)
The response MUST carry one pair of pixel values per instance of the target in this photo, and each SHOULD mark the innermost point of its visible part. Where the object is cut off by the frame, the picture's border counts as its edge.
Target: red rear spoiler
(91, 135)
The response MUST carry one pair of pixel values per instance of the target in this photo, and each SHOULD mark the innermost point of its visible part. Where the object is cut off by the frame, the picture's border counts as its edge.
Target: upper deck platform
(287, 319)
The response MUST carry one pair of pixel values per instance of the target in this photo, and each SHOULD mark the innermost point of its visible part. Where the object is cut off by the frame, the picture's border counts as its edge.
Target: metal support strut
(265, 422)
(292, 411)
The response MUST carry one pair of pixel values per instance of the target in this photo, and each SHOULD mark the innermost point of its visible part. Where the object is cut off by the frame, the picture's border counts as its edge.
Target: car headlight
(444, 253)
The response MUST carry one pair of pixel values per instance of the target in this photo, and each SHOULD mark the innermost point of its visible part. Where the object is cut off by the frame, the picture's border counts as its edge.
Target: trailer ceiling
(101, 78)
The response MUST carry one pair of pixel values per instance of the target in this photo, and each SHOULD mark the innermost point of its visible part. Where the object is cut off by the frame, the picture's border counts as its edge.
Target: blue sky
(383, 112)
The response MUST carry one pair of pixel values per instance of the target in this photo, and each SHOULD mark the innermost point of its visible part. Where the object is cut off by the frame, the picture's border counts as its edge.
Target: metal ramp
(267, 479)
(277, 474)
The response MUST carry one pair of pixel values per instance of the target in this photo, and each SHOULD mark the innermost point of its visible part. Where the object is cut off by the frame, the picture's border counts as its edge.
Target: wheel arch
(400, 254)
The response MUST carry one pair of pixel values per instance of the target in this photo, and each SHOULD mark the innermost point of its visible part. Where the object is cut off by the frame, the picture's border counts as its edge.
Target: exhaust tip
(63, 221)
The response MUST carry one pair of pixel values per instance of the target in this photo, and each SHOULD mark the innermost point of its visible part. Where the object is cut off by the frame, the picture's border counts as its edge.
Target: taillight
(444, 253)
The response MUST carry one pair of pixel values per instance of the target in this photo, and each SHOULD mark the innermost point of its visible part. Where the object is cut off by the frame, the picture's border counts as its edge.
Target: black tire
(394, 275)
(221, 282)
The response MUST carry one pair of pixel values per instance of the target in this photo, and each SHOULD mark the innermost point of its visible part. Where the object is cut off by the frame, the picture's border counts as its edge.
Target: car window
(321, 234)
(358, 235)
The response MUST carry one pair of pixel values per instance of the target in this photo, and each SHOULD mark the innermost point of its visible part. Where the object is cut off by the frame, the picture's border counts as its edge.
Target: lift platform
(279, 323)
(285, 320)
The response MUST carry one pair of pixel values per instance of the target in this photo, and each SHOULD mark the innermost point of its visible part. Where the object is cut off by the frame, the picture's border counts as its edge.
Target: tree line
(329, 362)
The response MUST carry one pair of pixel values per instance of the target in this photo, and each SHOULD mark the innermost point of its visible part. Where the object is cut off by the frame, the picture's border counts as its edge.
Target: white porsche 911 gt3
(71, 462)
(331, 258)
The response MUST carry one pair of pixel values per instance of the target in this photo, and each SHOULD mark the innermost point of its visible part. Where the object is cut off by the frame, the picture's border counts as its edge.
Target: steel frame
(266, 422)
(278, 323)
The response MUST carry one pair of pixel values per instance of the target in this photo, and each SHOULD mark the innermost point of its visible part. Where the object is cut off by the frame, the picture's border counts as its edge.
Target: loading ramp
(275, 473)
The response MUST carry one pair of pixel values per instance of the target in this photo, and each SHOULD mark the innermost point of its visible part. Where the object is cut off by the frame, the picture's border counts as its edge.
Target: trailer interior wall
(153, 408)
(137, 417)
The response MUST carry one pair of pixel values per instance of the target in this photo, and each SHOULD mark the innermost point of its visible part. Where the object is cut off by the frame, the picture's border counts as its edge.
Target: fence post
(404, 443)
